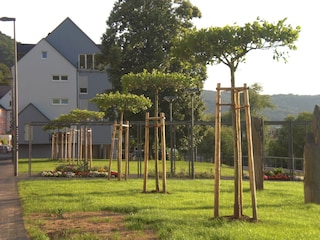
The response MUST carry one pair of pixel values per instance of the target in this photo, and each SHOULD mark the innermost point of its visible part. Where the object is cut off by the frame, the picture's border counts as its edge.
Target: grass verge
(184, 213)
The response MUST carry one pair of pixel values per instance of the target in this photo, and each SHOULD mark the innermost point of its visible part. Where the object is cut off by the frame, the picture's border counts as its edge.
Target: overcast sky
(36, 18)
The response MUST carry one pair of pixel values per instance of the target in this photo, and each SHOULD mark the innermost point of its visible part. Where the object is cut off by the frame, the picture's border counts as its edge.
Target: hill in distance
(285, 104)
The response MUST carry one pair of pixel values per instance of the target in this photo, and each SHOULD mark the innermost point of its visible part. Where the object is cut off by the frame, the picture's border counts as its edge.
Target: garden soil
(101, 225)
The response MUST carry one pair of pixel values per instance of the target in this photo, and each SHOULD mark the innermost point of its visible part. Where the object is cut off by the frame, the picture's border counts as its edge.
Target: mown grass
(182, 167)
(186, 212)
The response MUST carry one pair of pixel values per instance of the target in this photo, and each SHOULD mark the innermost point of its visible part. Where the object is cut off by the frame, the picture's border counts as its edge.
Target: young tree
(156, 81)
(122, 102)
(76, 116)
(230, 45)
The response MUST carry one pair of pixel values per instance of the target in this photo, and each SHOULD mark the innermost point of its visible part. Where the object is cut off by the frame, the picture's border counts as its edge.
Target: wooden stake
(163, 152)
(112, 148)
(217, 153)
(250, 156)
(146, 153)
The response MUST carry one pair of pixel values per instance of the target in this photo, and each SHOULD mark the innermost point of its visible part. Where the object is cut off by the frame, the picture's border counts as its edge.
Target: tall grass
(186, 212)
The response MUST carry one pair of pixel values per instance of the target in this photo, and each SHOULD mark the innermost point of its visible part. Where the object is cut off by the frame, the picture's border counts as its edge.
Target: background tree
(230, 45)
(6, 50)
(279, 144)
(206, 147)
(140, 35)
(258, 102)
(5, 75)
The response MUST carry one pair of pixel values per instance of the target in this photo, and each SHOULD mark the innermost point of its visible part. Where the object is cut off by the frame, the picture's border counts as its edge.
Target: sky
(36, 18)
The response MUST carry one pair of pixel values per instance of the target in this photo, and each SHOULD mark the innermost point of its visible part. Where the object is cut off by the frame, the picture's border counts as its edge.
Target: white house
(55, 76)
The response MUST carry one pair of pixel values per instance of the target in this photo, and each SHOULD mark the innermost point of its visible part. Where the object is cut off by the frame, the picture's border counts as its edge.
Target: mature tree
(230, 45)
(140, 35)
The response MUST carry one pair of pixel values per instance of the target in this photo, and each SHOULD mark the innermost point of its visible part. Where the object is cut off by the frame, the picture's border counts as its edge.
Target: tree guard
(159, 123)
(118, 129)
(238, 169)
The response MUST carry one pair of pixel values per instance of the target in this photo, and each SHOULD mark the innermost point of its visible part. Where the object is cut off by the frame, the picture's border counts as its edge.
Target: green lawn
(186, 212)
(182, 167)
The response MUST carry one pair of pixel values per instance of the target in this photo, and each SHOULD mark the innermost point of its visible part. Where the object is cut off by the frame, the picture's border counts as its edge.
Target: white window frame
(61, 78)
(87, 59)
(60, 101)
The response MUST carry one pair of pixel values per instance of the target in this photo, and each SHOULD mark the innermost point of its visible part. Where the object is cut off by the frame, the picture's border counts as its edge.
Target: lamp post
(192, 91)
(170, 99)
(14, 94)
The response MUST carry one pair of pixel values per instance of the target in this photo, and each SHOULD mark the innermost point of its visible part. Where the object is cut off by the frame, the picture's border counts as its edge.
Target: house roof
(72, 36)
(23, 48)
(4, 89)
(68, 39)
(32, 113)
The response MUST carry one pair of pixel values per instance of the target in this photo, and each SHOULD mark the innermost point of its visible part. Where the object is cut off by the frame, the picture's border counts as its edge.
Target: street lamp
(14, 94)
(170, 99)
(192, 91)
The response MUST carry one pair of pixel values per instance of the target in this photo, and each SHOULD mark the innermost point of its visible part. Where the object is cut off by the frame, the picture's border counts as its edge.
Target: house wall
(36, 85)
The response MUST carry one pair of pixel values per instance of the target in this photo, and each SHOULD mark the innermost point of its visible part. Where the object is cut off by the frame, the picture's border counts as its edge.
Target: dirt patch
(97, 225)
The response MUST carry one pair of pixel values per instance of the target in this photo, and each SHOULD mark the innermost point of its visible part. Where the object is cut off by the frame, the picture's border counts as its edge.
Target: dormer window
(86, 62)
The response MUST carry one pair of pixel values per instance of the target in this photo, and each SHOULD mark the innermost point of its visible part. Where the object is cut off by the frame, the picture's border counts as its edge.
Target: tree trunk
(257, 140)
(312, 161)
(156, 141)
(236, 149)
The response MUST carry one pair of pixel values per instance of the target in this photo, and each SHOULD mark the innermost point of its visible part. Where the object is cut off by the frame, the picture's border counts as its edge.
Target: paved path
(11, 221)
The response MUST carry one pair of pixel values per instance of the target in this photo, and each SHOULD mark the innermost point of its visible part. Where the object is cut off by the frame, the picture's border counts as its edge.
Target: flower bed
(76, 174)
(70, 171)
(278, 174)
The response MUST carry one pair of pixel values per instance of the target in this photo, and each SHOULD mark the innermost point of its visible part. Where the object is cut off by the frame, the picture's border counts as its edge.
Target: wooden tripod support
(238, 161)
(118, 128)
(160, 123)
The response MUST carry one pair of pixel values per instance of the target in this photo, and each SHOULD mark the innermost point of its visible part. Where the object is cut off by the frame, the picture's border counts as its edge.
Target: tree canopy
(140, 35)
(75, 116)
(122, 102)
(231, 44)
(6, 50)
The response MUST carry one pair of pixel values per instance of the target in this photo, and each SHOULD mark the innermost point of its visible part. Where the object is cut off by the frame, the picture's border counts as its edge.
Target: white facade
(37, 84)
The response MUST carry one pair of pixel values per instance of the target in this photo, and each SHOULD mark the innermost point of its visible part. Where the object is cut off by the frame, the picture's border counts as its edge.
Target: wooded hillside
(286, 104)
